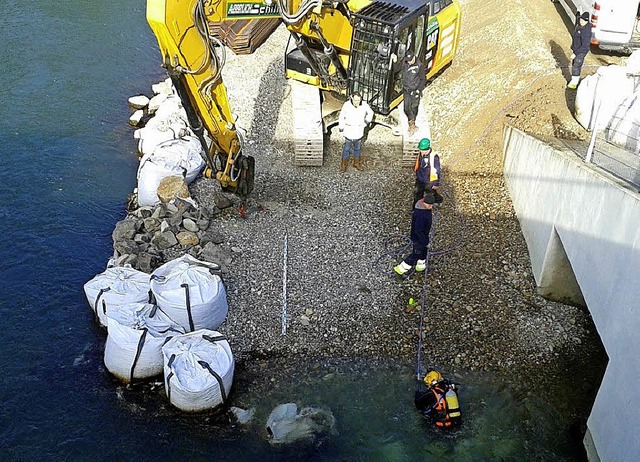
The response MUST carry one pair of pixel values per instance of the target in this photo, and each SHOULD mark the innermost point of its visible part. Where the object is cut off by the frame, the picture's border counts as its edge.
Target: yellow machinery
(339, 46)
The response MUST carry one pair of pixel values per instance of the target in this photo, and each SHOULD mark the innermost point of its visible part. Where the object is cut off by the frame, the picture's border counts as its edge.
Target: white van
(615, 22)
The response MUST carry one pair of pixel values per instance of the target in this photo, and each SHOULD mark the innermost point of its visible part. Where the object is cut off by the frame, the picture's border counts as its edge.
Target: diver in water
(437, 399)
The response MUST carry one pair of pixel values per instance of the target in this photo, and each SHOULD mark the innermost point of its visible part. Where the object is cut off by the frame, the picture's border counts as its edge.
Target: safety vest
(444, 411)
(433, 173)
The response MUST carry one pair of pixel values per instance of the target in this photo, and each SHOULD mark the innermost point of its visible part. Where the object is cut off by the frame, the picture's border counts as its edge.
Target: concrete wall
(582, 228)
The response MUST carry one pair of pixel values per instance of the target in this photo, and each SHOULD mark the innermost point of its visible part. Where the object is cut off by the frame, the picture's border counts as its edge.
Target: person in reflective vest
(437, 400)
(427, 169)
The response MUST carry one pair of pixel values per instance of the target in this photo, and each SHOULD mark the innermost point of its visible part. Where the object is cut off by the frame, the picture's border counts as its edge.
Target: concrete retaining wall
(582, 228)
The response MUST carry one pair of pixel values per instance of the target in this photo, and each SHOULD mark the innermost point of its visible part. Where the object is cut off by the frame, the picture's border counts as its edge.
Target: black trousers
(411, 104)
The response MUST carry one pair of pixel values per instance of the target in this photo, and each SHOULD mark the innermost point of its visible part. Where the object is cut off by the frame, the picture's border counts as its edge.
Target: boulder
(171, 187)
(286, 425)
(165, 240)
(215, 254)
(138, 102)
(187, 238)
(190, 225)
(125, 229)
(222, 201)
(136, 118)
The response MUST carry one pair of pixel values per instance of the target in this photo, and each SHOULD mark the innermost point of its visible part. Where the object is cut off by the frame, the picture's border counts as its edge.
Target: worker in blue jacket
(580, 44)
(420, 228)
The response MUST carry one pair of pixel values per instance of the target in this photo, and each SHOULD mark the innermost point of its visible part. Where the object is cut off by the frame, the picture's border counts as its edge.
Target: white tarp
(107, 292)
(182, 157)
(137, 333)
(186, 290)
(600, 95)
(198, 370)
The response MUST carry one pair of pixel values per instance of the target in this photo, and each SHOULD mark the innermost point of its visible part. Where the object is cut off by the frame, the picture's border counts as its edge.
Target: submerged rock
(286, 425)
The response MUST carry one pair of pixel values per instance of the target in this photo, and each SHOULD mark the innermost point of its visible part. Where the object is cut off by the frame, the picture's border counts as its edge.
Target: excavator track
(307, 124)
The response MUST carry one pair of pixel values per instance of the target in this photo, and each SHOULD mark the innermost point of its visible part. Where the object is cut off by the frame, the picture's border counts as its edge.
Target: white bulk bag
(181, 157)
(115, 287)
(186, 290)
(624, 126)
(600, 94)
(151, 136)
(198, 370)
(186, 152)
(134, 344)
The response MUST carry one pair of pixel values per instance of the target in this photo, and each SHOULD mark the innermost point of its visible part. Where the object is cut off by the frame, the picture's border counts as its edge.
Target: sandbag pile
(116, 287)
(134, 343)
(167, 146)
(187, 291)
(198, 370)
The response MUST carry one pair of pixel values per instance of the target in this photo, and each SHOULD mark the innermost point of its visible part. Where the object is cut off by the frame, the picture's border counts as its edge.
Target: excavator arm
(190, 55)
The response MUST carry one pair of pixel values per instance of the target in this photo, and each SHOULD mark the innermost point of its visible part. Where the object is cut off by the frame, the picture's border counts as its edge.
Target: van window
(436, 6)
(447, 3)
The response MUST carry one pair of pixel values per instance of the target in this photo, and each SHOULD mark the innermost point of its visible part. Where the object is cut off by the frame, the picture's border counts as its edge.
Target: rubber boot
(421, 265)
(356, 164)
(343, 166)
(402, 268)
(573, 83)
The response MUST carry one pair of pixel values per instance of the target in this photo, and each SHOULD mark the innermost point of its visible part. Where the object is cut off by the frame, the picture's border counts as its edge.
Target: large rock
(187, 238)
(125, 229)
(286, 425)
(138, 102)
(136, 118)
(222, 201)
(172, 187)
(164, 240)
(215, 254)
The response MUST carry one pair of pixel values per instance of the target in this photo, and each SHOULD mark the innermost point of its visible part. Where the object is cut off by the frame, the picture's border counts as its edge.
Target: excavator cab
(382, 30)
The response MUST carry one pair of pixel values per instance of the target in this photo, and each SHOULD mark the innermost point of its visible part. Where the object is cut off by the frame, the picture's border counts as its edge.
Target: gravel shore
(481, 306)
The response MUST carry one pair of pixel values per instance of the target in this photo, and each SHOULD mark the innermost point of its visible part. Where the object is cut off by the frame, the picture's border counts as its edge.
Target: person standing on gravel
(421, 220)
(427, 169)
(355, 116)
(580, 44)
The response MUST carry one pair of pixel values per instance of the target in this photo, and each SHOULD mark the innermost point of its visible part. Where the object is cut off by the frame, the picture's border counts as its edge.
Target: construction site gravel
(342, 301)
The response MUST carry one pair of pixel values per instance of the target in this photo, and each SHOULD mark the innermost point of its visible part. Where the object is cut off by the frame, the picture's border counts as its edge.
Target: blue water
(67, 163)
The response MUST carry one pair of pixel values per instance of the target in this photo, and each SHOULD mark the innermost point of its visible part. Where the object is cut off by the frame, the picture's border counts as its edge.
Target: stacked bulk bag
(137, 333)
(186, 290)
(170, 122)
(198, 370)
(107, 292)
(600, 94)
(624, 127)
(180, 157)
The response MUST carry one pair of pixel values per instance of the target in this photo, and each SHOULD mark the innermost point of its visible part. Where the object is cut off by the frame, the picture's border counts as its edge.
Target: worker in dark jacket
(580, 44)
(437, 400)
(420, 229)
(414, 80)
(427, 169)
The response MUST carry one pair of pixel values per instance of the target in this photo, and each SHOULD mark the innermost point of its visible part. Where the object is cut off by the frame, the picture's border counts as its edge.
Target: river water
(68, 162)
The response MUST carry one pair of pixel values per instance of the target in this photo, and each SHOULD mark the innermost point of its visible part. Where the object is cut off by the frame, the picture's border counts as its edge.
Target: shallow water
(68, 162)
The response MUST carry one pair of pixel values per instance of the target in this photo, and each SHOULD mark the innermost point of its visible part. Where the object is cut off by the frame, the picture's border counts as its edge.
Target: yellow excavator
(336, 47)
